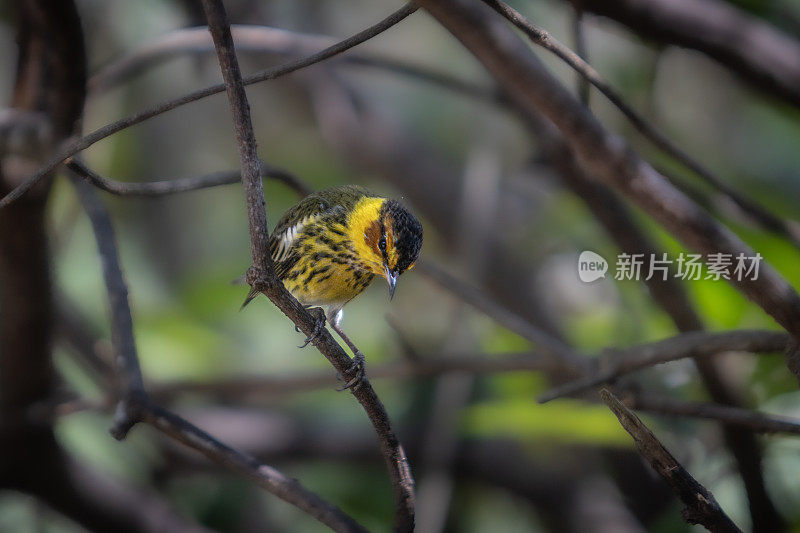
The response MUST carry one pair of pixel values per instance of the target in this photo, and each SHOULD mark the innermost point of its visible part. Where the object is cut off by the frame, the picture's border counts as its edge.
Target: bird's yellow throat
(362, 223)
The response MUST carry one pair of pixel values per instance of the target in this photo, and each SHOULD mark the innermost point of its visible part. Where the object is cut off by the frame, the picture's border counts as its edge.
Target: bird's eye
(382, 244)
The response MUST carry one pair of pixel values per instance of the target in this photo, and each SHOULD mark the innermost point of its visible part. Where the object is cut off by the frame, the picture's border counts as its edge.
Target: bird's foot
(359, 367)
(319, 325)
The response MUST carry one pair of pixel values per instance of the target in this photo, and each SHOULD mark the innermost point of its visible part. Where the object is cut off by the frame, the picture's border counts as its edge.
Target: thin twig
(701, 507)
(542, 38)
(265, 39)
(694, 344)
(579, 37)
(734, 416)
(167, 187)
(75, 145)
(262, 275)
(541, 339)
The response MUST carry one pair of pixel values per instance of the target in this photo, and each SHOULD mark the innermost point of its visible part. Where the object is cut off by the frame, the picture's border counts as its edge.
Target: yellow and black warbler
(330, 246)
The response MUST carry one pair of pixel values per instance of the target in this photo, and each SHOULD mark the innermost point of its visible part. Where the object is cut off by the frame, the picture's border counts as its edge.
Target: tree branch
(286, 488)
(701, 507)
(72, 147)
(734, 416)
(579, 38)
(264, 387)
(167, 187)
(607, 156)
(542, 38)
(695, 344)
(755, 50)
(126, 359)
(50, 84)
(134, 405)
(262, 275)
(265, 39)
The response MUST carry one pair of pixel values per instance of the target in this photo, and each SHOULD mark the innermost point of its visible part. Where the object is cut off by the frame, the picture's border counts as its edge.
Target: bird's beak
(391, 278)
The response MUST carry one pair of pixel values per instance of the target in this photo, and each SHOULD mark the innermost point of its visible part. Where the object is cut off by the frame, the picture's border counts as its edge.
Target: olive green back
(338, 200)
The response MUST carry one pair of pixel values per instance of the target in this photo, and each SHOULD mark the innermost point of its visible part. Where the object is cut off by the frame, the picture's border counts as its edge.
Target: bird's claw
(319, 318)
(359, 367)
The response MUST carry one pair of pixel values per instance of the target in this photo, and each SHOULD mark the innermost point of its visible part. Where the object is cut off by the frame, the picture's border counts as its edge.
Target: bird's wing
(336, 201)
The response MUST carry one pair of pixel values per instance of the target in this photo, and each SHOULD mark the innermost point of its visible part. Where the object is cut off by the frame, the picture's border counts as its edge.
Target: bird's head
(387, 237)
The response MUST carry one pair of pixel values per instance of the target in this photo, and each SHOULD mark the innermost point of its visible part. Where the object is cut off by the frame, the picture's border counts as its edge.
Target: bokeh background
(486, 455)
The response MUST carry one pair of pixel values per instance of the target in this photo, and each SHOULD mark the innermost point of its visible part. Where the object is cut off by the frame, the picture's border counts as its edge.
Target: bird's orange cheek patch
(372, 235)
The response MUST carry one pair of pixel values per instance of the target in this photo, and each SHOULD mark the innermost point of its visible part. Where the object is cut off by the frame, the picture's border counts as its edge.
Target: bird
(332, 244)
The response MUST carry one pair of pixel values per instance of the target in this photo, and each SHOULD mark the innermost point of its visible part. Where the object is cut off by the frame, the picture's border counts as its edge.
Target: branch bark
(167, 187)
(697, 345)
(701, 507)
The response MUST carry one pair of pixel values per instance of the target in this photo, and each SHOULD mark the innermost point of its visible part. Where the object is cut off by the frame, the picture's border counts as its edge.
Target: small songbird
(330, 246)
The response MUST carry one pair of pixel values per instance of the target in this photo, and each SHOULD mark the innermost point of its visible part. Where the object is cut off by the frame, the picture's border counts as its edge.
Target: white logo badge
(591, 266)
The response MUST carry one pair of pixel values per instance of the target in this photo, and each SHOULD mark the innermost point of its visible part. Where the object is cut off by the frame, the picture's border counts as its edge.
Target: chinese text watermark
(690, 267)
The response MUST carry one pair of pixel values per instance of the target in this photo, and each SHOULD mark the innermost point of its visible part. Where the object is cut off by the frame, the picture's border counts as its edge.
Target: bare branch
(669, 294)
(756, 50)
(579, 37)
(134, 405)
(273, 40)
(270, 40)
(49, 89)
(541, 37)
(262, 276)
(541, 339)
(701, 507)
(72, 147)
(286, 488)
(167, 187)
(122, 339)
(264, 387)
(734, 416)
(688, 345)
(257, 390)
(276, 437)
(694, 344)
(607, 156)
